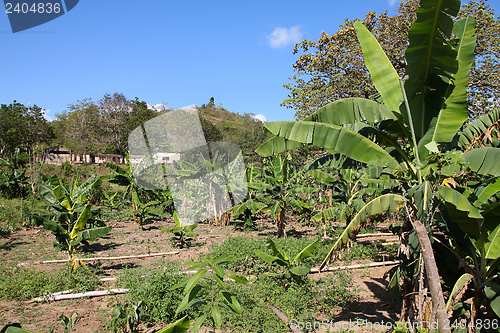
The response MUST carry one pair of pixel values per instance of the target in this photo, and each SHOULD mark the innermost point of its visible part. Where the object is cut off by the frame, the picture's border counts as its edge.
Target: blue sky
(174, 52)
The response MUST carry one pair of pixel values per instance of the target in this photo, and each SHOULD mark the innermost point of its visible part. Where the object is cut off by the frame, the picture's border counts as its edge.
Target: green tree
(80, 122)
(114, 113)
(22, 127)
(102, 127)
(324, 73)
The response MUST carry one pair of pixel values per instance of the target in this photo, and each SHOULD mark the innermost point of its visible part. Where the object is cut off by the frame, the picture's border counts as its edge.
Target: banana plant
(13, 181)
(124, 177)
(71, 217)
(411, 121)
(277, 187)
(249, 208)
(471, 215)
(280, 258)
(212, 270)
(181, 234)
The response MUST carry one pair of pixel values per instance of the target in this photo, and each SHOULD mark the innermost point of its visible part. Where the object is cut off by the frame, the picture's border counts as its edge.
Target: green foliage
(13, 181)
(180, 326)
(323, 72)
(243, 130)
(301, 301)
(411, 132)
(70, 216)
(181, 234)
(21, 127)
(153, 288)
(25, 283)
(143, 210)
(126, 317)
(250, 264)
(13, 328)
(103, 126)
(68, 323)
(279, 257)
(16, 213)
(218, 297)
(277, 186)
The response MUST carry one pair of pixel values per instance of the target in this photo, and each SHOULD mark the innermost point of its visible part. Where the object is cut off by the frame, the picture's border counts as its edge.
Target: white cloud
(281, 37)
(392, 2)
(260, 117)
(46, 116)
(157, 107)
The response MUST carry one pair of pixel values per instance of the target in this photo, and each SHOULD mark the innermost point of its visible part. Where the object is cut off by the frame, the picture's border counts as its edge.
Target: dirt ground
(29, 247)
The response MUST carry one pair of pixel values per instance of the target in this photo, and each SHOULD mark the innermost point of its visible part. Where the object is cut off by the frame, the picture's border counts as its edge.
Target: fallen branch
(283, 318)
(109, 258)
(60, 296)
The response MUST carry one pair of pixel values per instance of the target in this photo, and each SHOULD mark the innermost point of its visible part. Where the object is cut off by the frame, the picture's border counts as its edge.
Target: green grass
(17, 283)
(302, 301)
(11, 216)
(153, 288)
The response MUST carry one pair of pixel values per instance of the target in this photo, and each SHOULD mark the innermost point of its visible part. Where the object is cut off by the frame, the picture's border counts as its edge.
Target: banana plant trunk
(134, 207)
(432, 277)
(281, 222)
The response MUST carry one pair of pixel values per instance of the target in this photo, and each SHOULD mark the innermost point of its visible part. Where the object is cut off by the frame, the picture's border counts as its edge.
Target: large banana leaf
(492, 247)
(461, 211)
(334, 137)
(327, 214)
(322, 177)
(384, 203)
(276, 145)
(485, 191)
(351, 111)
(458, 290)
(384, 76)
(78, 193)
(484, 160)
(82, 220)
(94, 233)
(431, 61)
(460, 201)
(307, 251)
(483, 131)
(454, 110)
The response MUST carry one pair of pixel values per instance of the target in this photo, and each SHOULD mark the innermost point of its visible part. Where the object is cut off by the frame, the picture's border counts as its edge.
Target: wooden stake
(109, 258)
(373, 264)
(60, 296)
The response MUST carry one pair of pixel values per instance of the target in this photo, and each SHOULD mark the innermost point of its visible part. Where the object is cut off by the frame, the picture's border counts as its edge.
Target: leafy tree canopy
(22, 127)
(102, 127)
(333, 67)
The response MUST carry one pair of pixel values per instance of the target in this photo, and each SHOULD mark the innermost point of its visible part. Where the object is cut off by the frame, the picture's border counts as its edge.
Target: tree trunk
(432, 278)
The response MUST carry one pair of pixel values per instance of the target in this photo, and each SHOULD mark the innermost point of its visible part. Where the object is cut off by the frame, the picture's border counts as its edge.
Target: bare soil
(29, 247)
